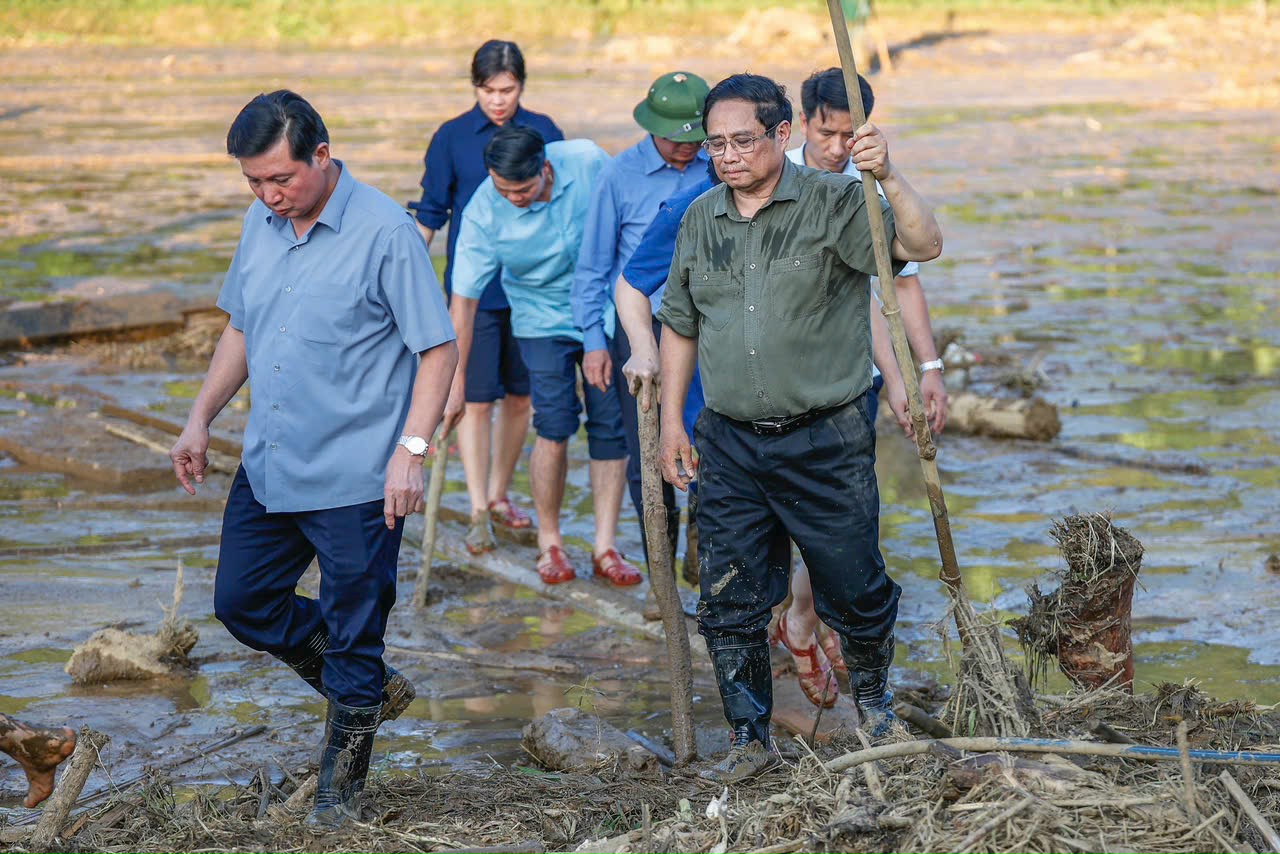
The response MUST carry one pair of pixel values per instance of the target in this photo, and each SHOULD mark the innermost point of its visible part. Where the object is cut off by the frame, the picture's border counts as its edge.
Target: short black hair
(267, 119)
(825, 90)
(768, 96)
(515, 153)
(493, 58)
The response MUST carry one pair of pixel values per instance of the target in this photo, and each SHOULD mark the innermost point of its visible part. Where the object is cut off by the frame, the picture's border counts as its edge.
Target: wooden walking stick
(662, 575)
(431, 516)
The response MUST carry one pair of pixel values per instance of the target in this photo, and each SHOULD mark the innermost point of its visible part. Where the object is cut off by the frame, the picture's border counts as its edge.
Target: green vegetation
(191, 23)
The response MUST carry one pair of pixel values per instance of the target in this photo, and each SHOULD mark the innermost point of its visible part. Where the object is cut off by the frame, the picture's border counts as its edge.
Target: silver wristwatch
(415, 445)
(933, 365)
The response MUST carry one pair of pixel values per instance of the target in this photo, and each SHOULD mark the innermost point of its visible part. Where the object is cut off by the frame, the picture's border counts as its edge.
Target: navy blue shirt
(651, 261)
(455, 168)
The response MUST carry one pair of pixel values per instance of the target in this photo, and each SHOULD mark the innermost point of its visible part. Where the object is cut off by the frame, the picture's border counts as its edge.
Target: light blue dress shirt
(626, 200)
(332, 323)
(535, 248)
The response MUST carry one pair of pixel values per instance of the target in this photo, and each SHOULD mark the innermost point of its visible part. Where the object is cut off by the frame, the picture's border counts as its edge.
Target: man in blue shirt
(526, 221)
(668, 159)
(338, 324)
(490, 447)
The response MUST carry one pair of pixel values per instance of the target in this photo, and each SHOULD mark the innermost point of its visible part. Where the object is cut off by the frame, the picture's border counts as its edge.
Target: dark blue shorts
(495, 368)
(554, 365)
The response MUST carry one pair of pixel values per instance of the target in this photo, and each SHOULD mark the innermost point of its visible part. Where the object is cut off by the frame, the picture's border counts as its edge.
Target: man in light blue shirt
(668, 160)
(526, 221)
(338, 323)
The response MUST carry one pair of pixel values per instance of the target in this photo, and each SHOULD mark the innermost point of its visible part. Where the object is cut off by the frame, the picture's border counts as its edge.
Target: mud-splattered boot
(868, 664)
(745, 680)
(308, 662)
(344, 765)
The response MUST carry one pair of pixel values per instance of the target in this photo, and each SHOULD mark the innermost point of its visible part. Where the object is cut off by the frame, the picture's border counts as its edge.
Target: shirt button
(797, 263)
(275, 368)
(288, 289)
(273, 446)
(704, 277)
(753, 266)
(751, 308)
(758, 394)
(751, 352)
(754, 223)
(277, 406)
(282, 329)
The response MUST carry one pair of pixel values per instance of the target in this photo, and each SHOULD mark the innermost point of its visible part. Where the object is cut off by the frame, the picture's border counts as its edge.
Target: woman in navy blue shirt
(454, 170)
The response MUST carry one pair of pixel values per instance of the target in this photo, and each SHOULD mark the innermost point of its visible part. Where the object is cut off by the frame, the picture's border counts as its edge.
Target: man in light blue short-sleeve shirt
(339, 325)
(526, 221)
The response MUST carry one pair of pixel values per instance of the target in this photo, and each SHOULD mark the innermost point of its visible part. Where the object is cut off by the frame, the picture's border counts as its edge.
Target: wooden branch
(922, 721)
(662, 575)
(435, 490)
(64, 796)
(496, 661)
(1051, 745)
(1251, 809)
(991, 824)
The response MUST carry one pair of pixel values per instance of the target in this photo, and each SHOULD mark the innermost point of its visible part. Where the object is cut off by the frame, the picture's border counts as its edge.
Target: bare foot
(39, 750)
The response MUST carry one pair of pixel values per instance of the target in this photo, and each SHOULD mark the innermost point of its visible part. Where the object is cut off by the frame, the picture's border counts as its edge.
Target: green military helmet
(673, 107)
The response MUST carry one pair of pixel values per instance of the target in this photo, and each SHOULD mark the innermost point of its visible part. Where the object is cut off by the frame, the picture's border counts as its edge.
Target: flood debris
(1031, 418)
(571, 739)
(50, 826)
(1085, 624)
(112, 654)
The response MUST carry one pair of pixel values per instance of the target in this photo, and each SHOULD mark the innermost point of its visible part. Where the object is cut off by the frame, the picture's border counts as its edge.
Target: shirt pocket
(715, 297)
(797, 286)
(324, 316)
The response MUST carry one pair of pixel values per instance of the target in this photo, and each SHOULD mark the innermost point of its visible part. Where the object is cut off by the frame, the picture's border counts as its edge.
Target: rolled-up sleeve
(589, 295)
(851, 230)
(474, 261)
(411, 291)
(678, 311)
(439, 183)
(647, 270)
(231, 296)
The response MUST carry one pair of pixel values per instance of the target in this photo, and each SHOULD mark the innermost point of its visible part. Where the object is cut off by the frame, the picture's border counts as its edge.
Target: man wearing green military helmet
(629, 190)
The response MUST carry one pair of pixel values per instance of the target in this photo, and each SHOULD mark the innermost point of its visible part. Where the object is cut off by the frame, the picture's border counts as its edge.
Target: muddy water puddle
(1082, 239)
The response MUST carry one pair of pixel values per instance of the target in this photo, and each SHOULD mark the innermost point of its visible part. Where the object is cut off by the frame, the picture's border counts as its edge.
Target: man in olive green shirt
(768, 293)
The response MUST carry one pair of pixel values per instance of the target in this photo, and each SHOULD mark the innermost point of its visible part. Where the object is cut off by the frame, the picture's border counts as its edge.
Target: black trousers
(815, 485)
(620, 351)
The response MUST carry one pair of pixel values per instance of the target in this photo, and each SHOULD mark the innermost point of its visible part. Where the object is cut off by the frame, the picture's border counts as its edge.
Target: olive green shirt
(780, 303)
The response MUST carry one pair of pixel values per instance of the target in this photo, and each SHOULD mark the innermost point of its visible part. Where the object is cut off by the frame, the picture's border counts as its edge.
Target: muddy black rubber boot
(344, 764)
(308, 660)
(745, 679)
(868, 665)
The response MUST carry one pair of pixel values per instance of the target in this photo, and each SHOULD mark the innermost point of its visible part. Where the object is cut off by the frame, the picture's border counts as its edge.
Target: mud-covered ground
(1109, 206)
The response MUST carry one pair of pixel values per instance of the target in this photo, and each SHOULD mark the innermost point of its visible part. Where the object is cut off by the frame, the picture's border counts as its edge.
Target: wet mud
(1121, 238)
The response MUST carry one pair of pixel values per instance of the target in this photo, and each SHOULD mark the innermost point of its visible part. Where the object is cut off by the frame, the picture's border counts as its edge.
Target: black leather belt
(782, 426)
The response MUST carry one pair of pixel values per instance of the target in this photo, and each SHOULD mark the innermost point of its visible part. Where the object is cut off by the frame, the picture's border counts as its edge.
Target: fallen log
(1033, 418)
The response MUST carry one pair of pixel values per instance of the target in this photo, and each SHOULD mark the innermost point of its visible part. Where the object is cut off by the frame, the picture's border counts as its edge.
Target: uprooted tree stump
(1085, 623)
(570, 739)
(111, 655)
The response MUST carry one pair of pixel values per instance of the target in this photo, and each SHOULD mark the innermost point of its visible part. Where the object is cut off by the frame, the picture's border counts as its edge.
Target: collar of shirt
(562, 181)
(479, 121)
(788, 190)
(333, 211)
(651, 158)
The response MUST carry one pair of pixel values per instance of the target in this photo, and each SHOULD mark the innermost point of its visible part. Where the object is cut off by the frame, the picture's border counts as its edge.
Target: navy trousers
(815, 485)
(263, 555)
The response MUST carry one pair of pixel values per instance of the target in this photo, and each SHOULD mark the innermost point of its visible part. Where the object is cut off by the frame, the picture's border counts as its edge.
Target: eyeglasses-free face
(741, 143)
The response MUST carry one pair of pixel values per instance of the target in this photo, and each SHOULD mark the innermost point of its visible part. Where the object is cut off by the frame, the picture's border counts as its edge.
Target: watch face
(416, 445)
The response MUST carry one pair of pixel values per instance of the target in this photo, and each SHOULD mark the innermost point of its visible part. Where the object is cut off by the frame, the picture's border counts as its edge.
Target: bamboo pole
(662, 575)
(435, 489)
(927, 451)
